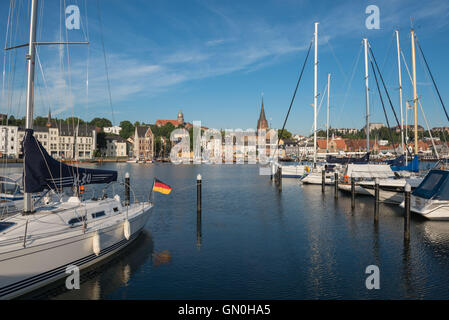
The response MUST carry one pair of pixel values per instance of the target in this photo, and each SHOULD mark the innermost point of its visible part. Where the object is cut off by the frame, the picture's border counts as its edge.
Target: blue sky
(213, 60)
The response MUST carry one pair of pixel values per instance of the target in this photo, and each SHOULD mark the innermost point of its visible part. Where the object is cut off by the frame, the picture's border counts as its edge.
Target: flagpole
(151, 192)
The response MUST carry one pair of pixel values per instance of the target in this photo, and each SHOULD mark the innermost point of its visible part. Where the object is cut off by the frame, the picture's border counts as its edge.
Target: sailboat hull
(28, 269)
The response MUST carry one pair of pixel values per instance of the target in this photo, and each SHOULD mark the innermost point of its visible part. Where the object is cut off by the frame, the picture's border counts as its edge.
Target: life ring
(306, 169)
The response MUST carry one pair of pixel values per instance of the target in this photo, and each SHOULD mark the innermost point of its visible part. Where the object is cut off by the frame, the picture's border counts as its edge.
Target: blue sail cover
(399, 161)
(398, 164)
(42, 172)
(363, 160)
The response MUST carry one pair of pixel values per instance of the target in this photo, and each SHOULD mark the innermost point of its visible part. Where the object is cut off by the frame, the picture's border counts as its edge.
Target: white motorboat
(315, 176)
(390, 189)
(294, 171)
(431, 198)
(391, 184)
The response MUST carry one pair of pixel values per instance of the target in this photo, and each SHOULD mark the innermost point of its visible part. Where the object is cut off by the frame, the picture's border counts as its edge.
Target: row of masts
(367, 102)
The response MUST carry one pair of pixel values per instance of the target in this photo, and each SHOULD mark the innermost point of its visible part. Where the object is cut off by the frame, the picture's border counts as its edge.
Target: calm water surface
(257, 243)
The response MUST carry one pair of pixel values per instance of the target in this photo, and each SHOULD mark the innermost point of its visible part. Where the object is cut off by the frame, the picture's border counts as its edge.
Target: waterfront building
(409, 128)
(345, 130)
(143, 143)
(335, 145)
(179, 122)
(116, 146)
(291, 148)
(58, 141)
(8, 141)
(440, 129)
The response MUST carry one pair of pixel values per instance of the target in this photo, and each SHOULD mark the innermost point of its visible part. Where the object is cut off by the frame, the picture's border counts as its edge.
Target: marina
(106, 195)
(296, 244)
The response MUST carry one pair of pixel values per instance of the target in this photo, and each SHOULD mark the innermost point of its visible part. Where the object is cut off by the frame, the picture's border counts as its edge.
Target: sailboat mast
(327, 120)
(315, 93)
(365, 44)
(28, 198)
(415, 94)
(400, 89)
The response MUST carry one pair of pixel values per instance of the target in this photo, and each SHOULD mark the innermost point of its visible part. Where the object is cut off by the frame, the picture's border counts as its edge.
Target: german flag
(161, 187)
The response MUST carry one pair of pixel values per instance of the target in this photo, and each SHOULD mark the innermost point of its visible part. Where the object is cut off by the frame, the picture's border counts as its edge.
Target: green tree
(73, 121)
(100, 122)
(101, 140)
(127, 129)
(285, 134)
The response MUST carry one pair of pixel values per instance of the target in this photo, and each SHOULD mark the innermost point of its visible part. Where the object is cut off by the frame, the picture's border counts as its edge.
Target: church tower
(49, 118)
(262, 123)
(180, 118)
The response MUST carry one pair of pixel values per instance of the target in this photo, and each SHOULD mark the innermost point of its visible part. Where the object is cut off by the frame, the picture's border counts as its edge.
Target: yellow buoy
(306, 169)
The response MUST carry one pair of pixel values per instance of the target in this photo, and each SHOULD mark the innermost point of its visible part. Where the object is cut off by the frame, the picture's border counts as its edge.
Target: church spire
(262, 123)
(49, 118)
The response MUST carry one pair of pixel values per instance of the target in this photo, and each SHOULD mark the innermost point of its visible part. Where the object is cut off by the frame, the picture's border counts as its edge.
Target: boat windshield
(435, 185)
(8, 186)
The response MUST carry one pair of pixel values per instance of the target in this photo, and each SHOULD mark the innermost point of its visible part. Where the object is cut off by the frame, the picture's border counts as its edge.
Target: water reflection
(101, 280)
(263, 244)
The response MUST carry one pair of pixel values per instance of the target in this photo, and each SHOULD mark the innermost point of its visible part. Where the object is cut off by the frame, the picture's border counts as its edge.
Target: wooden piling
(352, 193)
(280, 178)
(376, 200)
(127, 189)
(336, 185)
(198, 193)
(407, 197)
(323, 180)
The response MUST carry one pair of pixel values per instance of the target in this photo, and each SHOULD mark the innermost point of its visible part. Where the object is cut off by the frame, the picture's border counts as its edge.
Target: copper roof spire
(262, 123)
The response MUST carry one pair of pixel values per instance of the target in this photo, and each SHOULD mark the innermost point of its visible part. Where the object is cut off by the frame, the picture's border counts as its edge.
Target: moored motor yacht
(431, 198)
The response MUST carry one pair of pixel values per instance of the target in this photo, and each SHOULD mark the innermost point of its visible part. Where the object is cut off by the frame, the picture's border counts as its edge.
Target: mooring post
(376, 200)
(352, 193)
(336, 185)
(323, 179)
(407, 192)
(280, 178)
(198, 212)
(198, 193)
(127, 190)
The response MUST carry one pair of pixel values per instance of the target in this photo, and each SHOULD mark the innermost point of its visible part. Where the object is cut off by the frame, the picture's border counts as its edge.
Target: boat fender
(96, 244)
(346, 179)
(306, 169)
(127, 229)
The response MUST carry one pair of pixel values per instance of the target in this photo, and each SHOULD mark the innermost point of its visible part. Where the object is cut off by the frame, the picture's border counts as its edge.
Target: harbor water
(254, 242)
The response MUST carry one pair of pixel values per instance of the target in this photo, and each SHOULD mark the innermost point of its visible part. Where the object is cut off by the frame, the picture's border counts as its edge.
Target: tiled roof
(161, 123)
(340, 143)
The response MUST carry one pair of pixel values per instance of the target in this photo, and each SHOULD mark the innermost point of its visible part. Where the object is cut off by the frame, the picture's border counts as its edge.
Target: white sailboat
(391, 183)
(431, 198)
(38, 245)
(298, 171)
(314, 176)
